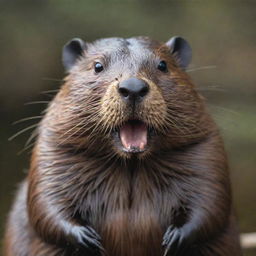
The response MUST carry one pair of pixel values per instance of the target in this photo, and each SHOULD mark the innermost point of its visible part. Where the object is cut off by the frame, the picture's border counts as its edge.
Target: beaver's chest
(133, 232)
(132, 217)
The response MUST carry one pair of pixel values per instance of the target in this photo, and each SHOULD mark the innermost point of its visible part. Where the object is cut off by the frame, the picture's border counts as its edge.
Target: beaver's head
(128, 95)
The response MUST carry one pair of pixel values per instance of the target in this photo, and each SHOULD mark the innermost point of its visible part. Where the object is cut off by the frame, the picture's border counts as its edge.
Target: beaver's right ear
(72, 50)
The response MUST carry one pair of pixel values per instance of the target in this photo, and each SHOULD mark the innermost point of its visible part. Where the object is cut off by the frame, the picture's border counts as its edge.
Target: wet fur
(79, 176)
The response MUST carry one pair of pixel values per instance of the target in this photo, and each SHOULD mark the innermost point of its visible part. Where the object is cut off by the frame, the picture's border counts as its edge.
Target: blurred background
(223, 38)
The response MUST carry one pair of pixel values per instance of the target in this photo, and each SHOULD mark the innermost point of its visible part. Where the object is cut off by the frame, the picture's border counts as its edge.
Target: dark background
(221, 33)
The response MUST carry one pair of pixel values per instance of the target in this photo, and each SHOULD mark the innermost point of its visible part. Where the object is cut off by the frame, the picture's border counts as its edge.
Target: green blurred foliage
(222, 35)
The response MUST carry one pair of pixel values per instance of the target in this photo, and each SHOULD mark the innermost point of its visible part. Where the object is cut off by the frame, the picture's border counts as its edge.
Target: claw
(174, 242)
(88, 239)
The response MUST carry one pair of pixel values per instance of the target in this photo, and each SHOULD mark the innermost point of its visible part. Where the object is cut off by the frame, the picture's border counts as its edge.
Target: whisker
(49, 92)
(25, 148)
(224, 109)
(26, 119)
(31, 137)
(22, 131)
(201, 68)
(71, 130)
(37, 102)
(211, 88)
(52, 79)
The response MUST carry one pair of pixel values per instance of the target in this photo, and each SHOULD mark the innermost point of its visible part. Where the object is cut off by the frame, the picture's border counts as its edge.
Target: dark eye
(98, 67)
(162, 66)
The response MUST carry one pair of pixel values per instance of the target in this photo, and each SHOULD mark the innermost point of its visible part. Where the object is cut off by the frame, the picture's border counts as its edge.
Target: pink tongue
(134, 135)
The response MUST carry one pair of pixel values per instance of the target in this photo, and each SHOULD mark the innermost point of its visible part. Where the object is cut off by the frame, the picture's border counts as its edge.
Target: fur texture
(85, 196)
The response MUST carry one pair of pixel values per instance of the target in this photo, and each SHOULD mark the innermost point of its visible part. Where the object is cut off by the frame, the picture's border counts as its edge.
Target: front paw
(87, 239)
(176, 241)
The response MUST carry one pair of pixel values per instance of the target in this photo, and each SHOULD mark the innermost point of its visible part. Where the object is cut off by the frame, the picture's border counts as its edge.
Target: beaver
(127, 162)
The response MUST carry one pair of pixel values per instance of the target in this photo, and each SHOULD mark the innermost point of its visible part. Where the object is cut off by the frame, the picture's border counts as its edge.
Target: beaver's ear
(72, 50)
(181, 49)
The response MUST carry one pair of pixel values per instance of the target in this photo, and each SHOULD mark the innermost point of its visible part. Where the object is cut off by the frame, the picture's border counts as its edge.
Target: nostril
(133, 89)
(143, 92)
(123, 91)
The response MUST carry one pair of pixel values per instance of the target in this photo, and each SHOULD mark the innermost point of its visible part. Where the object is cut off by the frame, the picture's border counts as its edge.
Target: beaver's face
(132, 95)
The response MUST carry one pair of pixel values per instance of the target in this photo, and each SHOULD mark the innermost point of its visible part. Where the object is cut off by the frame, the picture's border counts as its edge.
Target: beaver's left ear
(181, 49)
(72, 50)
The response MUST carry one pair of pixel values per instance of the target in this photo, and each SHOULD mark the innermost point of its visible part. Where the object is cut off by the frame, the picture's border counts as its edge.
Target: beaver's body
(126, 159)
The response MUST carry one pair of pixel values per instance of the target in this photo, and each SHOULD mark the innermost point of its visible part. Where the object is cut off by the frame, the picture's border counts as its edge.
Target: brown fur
(79, 176)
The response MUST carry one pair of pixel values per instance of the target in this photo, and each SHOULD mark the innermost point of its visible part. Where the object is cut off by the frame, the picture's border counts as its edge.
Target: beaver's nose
(133, 89)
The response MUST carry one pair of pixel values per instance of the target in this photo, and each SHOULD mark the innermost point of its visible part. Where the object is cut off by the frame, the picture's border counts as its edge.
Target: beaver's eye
(98, 67)
(162, 66)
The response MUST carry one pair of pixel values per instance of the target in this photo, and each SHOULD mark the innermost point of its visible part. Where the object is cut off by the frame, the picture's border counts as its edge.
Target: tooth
(142, 145)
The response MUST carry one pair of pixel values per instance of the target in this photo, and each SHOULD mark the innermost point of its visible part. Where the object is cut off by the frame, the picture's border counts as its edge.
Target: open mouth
(134, 136)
